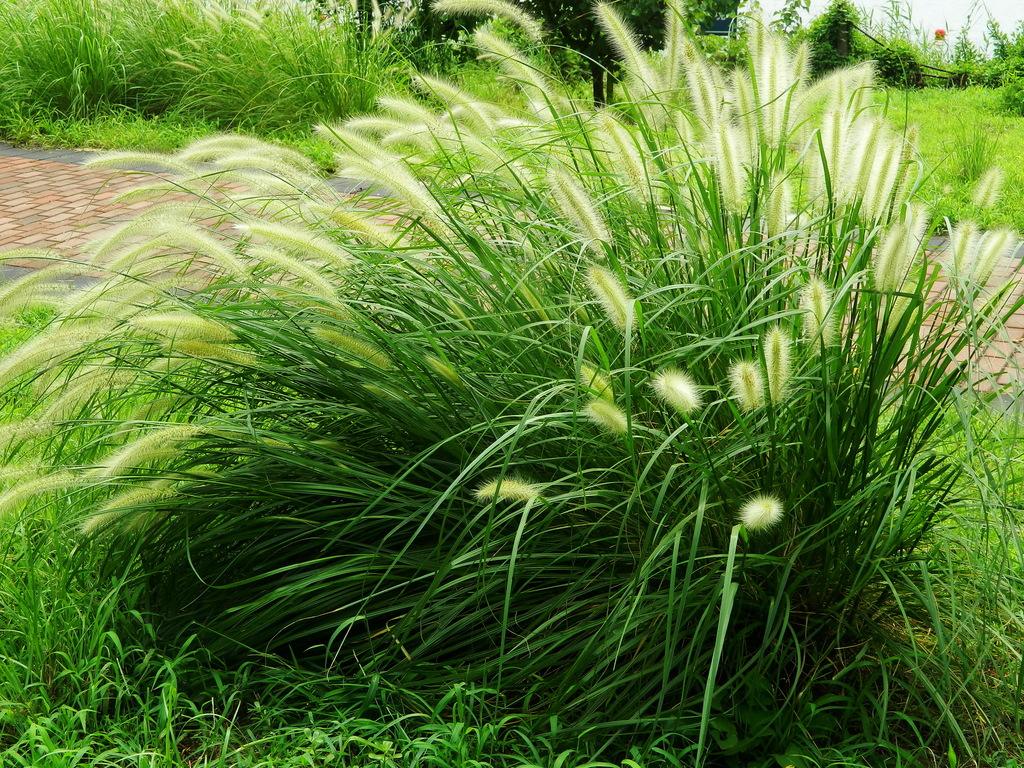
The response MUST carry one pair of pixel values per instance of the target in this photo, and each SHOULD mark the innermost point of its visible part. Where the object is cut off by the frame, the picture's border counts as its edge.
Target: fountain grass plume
(612, 296)
(706, 87)
(19, 495)
(816, 303)
(777, 351)
(182, 325)
(575, 204)
(596, 382)
(761, 513)
(607, 416)
(276, 262)
(296, 239)
(506, 10)
(899, 250)
(989, 188)
(353, 347)
(730, 154)
(678, 390)
(508, 489)
(995, 246)
(625, 154)
(155, 445)
(540, 91)
(127, 510)
(624, 40)
(676, 36)
(747, 385)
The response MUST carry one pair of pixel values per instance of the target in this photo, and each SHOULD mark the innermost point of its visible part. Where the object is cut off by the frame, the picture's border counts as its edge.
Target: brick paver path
(1004, 358)
(54, 204)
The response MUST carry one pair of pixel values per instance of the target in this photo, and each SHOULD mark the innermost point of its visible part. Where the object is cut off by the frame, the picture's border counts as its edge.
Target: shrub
(998, 72)
(833, 40)
(968, 63)
(223, 62)
(635, 415)
(1007, 62)
(1012, 96)
(966, 74)
(899, 64)
(722, 50)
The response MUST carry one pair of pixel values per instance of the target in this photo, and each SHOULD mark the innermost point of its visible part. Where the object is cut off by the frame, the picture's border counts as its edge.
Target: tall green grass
(585, 408)
(235, 64)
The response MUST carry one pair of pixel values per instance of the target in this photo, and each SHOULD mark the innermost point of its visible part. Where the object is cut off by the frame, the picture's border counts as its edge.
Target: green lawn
(959, 129)
(127, 130)
(12, 334)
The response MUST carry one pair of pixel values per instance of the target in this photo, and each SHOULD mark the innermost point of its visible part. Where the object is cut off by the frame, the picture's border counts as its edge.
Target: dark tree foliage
(899, 64)
(571, 24)
(833, 39)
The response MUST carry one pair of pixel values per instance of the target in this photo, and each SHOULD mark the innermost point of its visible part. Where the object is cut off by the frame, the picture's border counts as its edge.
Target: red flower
(940, 34)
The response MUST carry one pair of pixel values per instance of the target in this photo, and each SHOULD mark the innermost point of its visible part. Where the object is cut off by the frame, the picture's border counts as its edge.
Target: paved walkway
(48, 199)
(1004, 357)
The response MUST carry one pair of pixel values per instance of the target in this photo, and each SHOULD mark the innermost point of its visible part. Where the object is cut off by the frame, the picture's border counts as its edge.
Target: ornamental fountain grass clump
(640, 416)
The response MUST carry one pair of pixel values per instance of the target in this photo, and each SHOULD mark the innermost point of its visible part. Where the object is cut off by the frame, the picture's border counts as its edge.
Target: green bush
(899, 64)
(999, 71)
(587, 407)
(723, 51)
(966, 74)
(968, 64)
(222, 62)
(832, 39)
(1012, 96)
(1007, 62)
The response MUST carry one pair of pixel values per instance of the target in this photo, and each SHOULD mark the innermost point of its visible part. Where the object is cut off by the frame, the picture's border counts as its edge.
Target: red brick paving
(1003, 360)
(49, 204)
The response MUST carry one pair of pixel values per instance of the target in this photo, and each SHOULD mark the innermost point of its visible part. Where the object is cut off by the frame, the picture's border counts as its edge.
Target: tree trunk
(597, 78)
(843, 35)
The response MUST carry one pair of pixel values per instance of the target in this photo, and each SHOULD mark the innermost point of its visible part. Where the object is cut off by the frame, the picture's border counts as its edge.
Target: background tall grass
(234, 64)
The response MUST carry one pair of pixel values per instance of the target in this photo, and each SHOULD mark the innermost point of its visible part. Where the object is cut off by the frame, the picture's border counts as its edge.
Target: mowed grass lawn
(960, 133)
